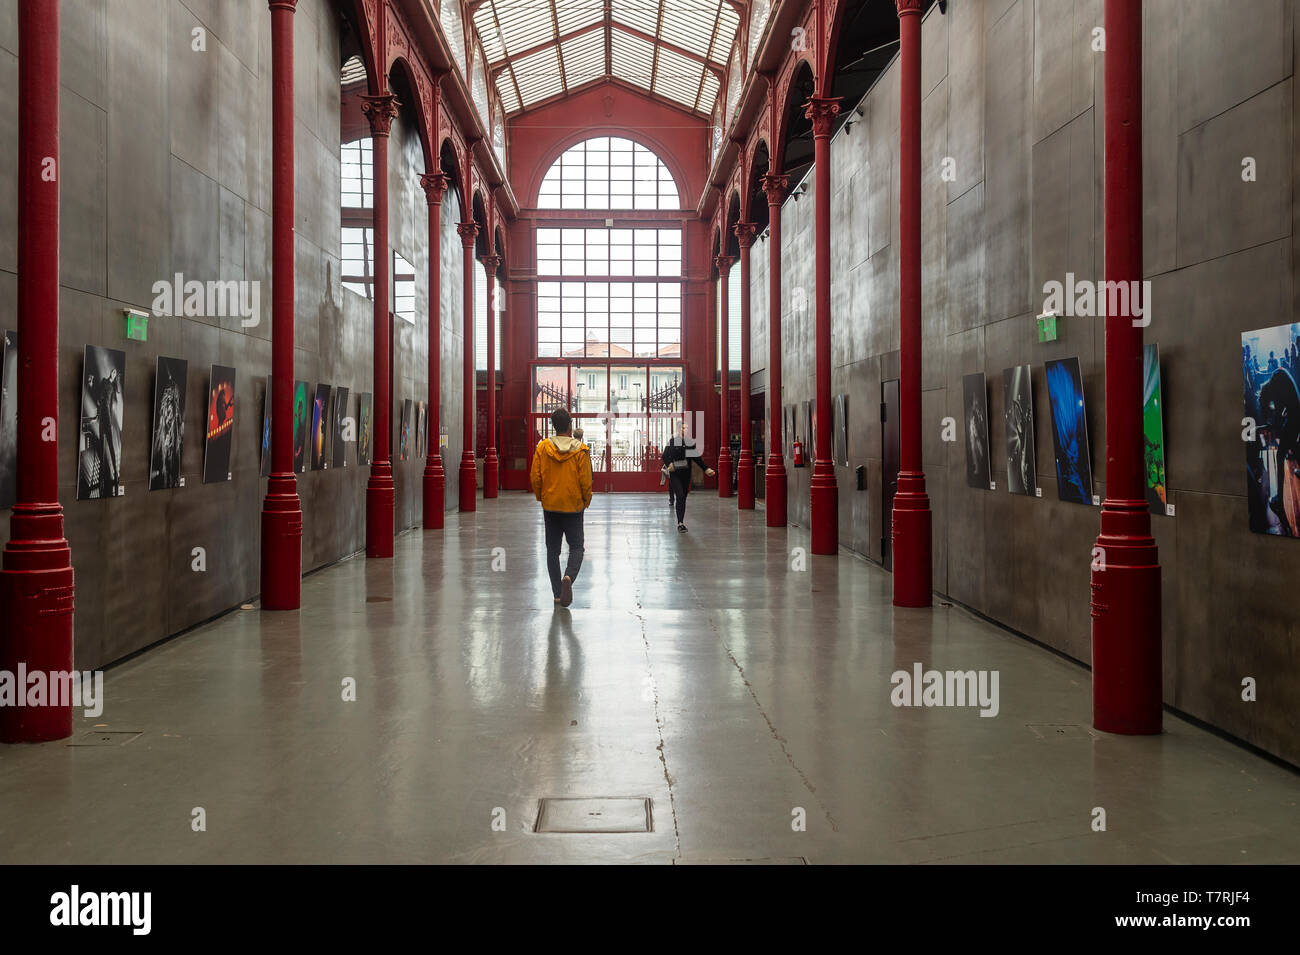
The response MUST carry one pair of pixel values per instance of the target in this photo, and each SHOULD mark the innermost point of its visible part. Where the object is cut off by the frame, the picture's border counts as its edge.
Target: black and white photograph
(168, 423)
(840, 430)
(976, 429)
(1018, 427)
(99, 451)
(341, 414)
(221, 425)
(9, 419)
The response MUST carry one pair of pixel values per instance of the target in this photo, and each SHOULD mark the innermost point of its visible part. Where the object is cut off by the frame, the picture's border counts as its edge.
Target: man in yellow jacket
(561, 477)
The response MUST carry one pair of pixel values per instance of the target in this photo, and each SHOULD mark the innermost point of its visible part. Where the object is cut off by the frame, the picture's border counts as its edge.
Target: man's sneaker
(566, 592)
(682, 528)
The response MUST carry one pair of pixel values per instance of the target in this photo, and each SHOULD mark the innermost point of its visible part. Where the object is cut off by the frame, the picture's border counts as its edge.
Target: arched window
(608, 173)
(454, 28)
(356, 185)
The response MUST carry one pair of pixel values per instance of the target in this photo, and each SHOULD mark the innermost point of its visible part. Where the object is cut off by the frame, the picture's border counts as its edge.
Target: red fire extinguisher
(796, 453)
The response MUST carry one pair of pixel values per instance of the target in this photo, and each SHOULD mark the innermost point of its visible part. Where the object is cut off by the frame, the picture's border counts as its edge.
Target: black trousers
(561, 526)
(679, 484)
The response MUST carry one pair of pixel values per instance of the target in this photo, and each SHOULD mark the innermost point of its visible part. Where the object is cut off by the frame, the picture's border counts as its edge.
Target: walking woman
(679, 454)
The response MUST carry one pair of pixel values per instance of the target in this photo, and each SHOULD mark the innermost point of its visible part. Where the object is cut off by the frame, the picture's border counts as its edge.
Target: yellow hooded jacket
(561, 474)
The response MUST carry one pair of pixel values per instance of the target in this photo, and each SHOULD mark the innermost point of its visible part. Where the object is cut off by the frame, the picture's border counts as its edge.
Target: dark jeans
(679, 483)
(563, 526)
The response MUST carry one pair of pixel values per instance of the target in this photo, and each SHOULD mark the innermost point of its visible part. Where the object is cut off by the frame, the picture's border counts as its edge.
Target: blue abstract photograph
(1069, 431)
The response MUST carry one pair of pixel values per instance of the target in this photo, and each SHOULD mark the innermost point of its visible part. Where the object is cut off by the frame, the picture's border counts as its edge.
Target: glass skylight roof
(674, 49)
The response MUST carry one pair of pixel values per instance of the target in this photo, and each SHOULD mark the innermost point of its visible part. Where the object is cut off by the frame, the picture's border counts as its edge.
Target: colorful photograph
(221, 425)
(1069, 431)
(168, 423)
(1270, 365)
(301, 424)
(9, 420)
(319, 420)
(404, 436)
(99, 449)
(1153, 429)
(266, 431)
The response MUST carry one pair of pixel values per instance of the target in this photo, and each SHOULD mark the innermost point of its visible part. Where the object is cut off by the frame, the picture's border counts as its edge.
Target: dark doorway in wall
(890, 454)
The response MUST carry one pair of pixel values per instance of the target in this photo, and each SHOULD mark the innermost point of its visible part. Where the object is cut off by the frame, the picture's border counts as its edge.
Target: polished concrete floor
(699, 670)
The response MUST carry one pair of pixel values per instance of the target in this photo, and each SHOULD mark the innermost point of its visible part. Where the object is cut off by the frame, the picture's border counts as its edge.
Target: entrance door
(891, 455)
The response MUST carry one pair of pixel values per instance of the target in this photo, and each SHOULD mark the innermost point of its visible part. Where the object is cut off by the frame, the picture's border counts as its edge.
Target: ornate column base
(912, 520)
(1126, 635)
(435, 492)
(379, 511)
(745, 480)
(468, 480)
(774, 482)
(824, 499)
(36, 591)
(491, 473)
(281, 544)
(724, 473)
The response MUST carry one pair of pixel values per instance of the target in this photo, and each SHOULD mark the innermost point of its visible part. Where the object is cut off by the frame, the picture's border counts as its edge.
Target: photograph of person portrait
(340, 415)
(1153, 429)
(168, 423)
(404, 435)
(1018, 421)
(975, 404)
(9, 420)
(319, 422)
(1270, 368)
(301, 424)
(363, 428)
(221, 425)
(1069, 431)
(266, 430)
(99, 450)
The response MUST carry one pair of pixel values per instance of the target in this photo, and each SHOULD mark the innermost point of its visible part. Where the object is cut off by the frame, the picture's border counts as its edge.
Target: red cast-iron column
(491, 466)
(774, 500)
(745, 466)
(36, 585)
(723, 262)
(823, 492)
(468, 473)
(282, 511)
(380, 110)
(911, 518)
(435, 479)
(1126, 691)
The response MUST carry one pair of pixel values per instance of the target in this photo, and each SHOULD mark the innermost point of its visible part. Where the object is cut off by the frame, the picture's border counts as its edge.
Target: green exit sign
(137, 325)
(1047, 327)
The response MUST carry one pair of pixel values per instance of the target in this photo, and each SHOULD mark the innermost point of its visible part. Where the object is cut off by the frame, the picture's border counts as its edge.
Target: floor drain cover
(106, 738)
(777, 860)
(600, 814)
(1059, 731)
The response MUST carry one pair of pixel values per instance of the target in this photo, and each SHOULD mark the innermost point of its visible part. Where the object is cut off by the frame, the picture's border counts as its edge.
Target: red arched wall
(537, 138)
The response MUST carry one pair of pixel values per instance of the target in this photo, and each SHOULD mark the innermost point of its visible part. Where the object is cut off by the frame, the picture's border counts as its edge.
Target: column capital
(909, 7)
(380, 110)
(491, 263)
(745, 232)
(775, 185)
(723, 262)
(289, 5)
(822, 110)
(468, 231)
(434, 185)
